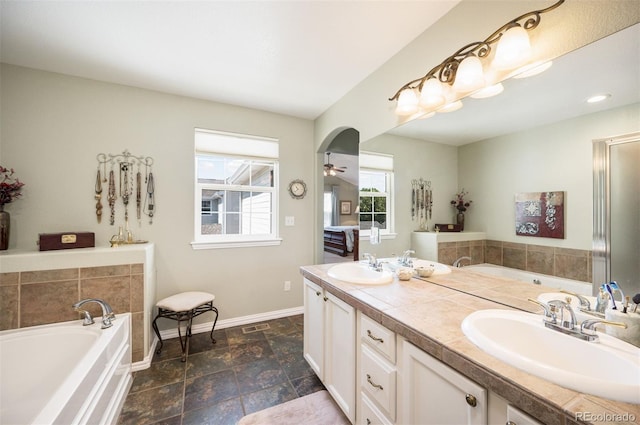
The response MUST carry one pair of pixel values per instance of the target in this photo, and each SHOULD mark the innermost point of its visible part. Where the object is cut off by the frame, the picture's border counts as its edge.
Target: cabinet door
(433, 393)
(314, 327)
(340, 354)
(517, 417)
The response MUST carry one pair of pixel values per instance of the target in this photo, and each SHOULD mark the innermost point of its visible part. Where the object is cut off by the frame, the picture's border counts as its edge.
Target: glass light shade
(432, 94)
(532, 69)
(407, 102)
(488, 91)
(513, 50)
(469, 76)
(450, 107)
(427, 115)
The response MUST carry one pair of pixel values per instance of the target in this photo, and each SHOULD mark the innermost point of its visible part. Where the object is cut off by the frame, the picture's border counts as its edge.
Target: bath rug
(313, 409)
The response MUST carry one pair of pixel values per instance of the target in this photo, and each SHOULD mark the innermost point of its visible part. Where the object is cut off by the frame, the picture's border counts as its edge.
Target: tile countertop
(428, 313)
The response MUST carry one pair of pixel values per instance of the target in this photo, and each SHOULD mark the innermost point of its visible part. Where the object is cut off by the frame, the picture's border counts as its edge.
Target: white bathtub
(65, 373)
(579, 287)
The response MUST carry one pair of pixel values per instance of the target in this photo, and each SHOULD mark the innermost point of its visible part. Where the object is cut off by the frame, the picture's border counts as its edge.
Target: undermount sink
(360, 273)
(609, 368)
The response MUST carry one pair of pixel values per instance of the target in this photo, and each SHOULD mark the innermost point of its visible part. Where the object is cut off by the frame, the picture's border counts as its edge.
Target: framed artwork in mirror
(345, 207)
(540, 214)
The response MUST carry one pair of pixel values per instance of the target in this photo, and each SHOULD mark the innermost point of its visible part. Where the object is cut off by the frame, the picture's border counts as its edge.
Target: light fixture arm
(445, 72)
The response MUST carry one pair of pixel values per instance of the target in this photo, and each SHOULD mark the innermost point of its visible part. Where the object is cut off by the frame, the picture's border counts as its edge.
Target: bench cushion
(185, 301)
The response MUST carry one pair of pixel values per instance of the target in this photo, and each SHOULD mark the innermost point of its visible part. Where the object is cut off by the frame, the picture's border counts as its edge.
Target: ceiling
(295, 57)
(610, 65)
(291, 57)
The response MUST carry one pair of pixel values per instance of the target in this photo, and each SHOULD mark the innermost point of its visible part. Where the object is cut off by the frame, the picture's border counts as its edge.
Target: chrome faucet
(107, 312)
(373, 261)
(405, 260)
(563, 307)
(458, 262)
(584, 303)
(555, 309)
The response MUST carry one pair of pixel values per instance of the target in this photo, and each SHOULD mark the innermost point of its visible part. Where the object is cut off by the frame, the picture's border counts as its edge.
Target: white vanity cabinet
(377, 373)
(330, 344)
(433, 393)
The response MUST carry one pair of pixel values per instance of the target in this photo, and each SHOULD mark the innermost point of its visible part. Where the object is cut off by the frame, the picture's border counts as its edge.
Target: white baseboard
(236, 321)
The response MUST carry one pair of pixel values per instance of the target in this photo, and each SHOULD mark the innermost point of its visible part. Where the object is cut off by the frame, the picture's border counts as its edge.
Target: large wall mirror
(535, 136)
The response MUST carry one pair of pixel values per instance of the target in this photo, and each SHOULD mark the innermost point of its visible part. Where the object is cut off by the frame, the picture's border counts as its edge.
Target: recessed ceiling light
(598, 98)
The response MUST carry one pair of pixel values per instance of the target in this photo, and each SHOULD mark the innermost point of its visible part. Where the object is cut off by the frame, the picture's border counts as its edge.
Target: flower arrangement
(9, 186)
(459, 203)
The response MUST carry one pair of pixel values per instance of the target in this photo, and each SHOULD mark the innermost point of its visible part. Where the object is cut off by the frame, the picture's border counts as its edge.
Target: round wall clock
(297, 189)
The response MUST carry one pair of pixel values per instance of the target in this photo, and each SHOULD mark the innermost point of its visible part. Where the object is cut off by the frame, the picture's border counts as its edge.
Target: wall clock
(297, 189)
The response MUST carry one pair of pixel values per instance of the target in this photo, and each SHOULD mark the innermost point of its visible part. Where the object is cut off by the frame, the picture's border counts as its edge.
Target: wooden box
(67, 240)
(449, 227)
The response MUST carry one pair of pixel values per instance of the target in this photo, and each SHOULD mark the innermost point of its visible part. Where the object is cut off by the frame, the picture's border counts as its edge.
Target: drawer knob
(373, 384)
(368, 421)
(318, 293)
(325, 298)
(471, 400)
(373, 337)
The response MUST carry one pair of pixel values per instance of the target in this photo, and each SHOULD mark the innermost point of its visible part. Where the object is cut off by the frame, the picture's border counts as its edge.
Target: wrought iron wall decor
(124, 180)
(421, 202)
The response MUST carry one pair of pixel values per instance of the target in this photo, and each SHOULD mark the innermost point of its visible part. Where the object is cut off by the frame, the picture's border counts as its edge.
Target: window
(376, 187)
(236, 190)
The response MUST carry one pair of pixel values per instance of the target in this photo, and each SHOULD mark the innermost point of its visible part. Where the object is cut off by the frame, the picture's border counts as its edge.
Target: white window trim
(236, 241)
(381, 163)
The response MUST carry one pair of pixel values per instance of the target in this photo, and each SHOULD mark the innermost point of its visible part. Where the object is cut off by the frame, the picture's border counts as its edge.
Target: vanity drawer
(378, 381)
(378, 337)
(370, 415)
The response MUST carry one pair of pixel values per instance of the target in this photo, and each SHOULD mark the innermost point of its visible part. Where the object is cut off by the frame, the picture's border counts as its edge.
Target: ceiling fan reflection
(330, 169)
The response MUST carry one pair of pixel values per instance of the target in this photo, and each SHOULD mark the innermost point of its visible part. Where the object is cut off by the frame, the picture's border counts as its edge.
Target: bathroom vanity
(396, 354)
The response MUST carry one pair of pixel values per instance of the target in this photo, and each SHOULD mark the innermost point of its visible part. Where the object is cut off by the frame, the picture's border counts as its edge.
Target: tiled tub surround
(429, 314)
(40, 287)
(567, 263)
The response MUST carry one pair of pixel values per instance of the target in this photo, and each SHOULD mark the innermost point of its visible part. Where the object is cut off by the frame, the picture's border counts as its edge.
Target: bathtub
(579, 287)
(65, 373)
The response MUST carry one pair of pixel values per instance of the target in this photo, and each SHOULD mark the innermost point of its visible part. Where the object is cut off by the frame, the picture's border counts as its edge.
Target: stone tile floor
(219, 383)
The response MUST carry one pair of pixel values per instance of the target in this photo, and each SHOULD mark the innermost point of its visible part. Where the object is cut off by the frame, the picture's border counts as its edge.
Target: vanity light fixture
(473, 68)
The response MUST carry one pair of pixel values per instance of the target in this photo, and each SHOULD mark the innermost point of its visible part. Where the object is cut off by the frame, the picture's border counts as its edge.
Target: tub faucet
(107, 312)
(458, 262)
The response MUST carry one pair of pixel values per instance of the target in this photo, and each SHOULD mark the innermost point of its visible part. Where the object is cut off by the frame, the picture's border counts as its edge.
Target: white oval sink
(360, 273)
(609, 368)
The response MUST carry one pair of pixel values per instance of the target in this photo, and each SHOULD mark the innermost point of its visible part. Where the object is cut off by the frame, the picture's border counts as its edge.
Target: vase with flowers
(461, 205)
(10, 190)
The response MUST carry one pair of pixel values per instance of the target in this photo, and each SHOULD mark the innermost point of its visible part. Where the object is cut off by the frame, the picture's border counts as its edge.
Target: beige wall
(555, 157)
(52, 128)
